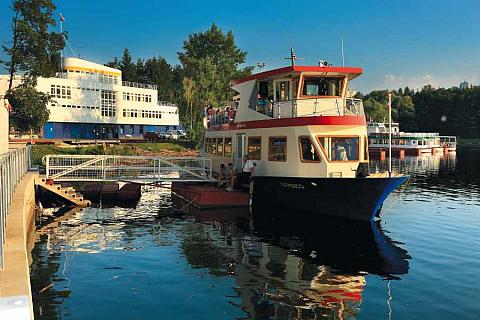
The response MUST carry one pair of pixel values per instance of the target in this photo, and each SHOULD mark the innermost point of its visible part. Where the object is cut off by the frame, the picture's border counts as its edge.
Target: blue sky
(398, 43)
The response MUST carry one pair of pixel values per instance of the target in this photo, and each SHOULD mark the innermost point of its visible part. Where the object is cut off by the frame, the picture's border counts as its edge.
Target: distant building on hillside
(463, 85)
(90, 101)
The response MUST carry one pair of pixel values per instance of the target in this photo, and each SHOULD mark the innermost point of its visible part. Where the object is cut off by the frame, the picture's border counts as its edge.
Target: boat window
(322, 86)
(264, 98)
(214, 146)
(255, 148)
(277, 149)
(220, 146)
(340, 148)
(308, 152)
(228, 147)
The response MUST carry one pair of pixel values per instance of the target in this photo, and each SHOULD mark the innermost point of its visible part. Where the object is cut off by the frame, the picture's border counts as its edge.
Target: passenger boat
(418, 142)
(307, 138)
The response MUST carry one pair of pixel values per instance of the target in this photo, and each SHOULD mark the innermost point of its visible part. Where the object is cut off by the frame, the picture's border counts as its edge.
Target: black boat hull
(352, 198)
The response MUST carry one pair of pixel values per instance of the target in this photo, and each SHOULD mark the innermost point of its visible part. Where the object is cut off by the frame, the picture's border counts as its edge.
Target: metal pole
(61, 51)
(389, 134)
(343, 56)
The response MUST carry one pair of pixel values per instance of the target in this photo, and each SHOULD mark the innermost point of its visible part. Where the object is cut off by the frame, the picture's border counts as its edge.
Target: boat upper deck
(291, 92)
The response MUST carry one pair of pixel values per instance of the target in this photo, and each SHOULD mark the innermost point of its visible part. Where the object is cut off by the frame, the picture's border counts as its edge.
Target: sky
(397, 43)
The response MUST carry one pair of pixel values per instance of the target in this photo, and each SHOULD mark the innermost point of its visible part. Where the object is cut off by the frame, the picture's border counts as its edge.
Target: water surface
(155, 262)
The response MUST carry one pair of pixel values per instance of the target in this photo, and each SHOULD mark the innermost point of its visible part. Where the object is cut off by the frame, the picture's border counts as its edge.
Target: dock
(205, 196)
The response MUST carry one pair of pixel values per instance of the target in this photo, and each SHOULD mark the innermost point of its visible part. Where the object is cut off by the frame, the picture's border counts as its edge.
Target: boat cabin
(298, 121)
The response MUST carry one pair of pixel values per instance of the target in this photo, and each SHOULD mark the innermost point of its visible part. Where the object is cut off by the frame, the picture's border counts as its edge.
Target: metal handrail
(13, 166)
(139, 85)
(124, 168)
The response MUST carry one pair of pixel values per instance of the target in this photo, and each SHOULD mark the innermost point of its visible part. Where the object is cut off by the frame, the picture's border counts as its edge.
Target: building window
(132, 129)
(220, 147)
(308, 152)
(227, 149)
(277, 149)
(108, 103)
(255, 148)
(340, 148)
(141, 129)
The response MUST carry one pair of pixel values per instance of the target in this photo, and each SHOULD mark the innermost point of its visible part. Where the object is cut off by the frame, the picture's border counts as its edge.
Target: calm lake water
(422, 261)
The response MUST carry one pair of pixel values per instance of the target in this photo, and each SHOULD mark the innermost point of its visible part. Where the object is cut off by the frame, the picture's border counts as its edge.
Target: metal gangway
(138, 169)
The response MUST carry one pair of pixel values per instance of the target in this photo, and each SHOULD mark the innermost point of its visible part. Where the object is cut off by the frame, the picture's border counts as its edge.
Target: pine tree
(129, 70)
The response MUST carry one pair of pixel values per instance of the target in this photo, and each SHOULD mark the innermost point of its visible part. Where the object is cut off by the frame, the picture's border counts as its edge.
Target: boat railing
(448, 141)
(408, 134)
(220, 117)
(310, 107)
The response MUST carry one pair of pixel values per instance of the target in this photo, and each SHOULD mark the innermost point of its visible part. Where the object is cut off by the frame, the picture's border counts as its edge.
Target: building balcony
(139, 85)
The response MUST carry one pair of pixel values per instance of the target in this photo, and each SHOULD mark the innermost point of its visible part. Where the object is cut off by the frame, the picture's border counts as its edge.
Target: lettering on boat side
(292, 185)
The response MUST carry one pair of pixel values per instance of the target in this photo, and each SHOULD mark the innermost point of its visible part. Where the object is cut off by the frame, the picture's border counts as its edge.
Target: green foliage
(29, 107)
(35, 50)
(129, 69)
(212, 60)
(450, 111)
(35, 53)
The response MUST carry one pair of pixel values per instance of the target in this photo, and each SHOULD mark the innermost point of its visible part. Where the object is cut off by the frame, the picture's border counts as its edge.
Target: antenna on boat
(343, 55)
(389, 135)
(261, 65)
(293, 57)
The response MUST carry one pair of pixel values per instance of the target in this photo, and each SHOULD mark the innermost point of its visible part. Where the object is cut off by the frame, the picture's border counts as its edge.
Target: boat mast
(343, 56)
(389, 134)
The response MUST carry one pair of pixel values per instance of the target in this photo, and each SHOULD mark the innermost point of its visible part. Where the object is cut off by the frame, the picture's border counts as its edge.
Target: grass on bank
(127, 149)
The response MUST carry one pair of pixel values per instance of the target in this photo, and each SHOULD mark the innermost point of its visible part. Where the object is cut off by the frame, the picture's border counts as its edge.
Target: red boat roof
(339, 70)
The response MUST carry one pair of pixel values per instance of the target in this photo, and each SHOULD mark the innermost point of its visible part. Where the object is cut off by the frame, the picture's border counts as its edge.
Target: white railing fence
(13, 166)
(127, 168)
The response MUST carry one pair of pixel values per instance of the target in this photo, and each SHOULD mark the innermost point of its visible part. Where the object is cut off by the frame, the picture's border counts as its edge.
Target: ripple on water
(153, 262)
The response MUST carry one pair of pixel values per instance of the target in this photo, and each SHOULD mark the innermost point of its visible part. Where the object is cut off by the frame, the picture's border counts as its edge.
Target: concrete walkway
(15, 277)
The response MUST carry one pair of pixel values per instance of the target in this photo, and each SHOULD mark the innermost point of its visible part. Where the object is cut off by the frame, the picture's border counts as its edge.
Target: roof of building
(352, 72)
(80, 64)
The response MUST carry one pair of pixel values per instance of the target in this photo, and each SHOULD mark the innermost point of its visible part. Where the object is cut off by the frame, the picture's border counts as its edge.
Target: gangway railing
(127, 168)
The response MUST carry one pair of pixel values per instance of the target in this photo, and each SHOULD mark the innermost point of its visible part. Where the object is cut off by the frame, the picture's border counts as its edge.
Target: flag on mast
(62, 18)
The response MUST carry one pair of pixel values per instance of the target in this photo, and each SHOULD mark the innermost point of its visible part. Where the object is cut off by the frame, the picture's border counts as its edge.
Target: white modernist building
(90, 101)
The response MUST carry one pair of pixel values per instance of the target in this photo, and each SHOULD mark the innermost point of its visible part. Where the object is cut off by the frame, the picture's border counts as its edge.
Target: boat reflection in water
(290, 269)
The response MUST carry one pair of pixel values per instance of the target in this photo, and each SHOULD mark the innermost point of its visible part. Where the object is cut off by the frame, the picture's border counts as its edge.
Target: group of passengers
(233, 180)
(218, 116)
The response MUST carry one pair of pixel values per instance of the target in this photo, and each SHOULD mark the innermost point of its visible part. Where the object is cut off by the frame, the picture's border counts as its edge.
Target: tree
(35, 50)
(211, 59)
(188, 94)
(29, 111)
(129, 69)
(34, 53)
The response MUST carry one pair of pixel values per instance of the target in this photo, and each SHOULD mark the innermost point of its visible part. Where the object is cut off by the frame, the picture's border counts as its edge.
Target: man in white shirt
(247, 164)
(247, 170)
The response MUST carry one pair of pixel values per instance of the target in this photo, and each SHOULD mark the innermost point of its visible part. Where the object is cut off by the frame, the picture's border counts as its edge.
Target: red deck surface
(206, 196)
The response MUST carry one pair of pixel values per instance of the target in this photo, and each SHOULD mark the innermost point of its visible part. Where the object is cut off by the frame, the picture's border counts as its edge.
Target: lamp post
(389, 135)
